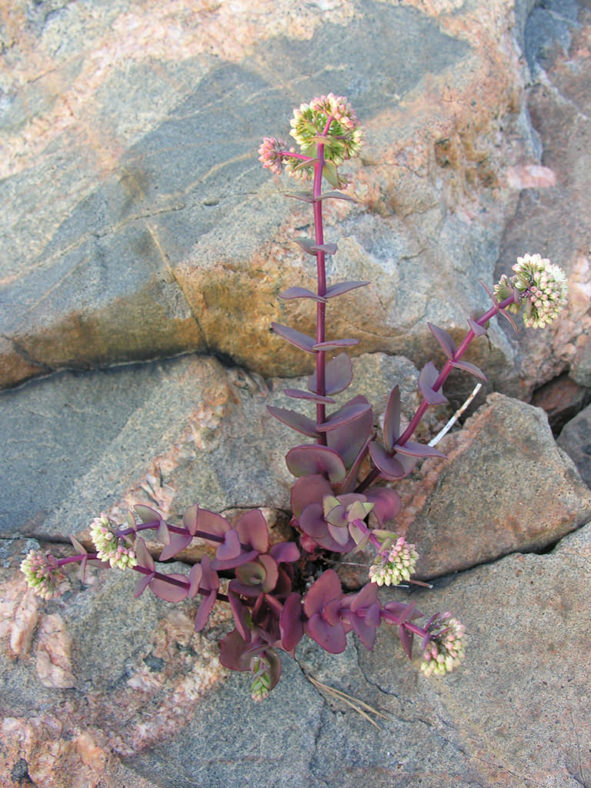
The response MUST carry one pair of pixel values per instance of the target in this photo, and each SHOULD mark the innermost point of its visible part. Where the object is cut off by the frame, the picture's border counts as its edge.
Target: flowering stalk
(321, 281)
(271, 609)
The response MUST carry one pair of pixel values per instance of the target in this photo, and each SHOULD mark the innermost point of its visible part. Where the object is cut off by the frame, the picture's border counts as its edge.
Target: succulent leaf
(297, 421)
(295, 338)
(444, 339)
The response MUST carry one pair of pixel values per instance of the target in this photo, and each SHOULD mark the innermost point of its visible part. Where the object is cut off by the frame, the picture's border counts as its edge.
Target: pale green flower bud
(43, 574)
(109, 546)
(394, 564)
(446, 649)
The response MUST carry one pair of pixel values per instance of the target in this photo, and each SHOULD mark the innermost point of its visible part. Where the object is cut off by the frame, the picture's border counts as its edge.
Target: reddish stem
(441, 378)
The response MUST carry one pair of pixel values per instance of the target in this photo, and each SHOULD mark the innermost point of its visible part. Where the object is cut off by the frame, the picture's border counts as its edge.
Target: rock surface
(138, 223)
(514, 714)
(575, 440)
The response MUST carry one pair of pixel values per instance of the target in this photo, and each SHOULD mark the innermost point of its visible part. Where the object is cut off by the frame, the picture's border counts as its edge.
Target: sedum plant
(336, 506)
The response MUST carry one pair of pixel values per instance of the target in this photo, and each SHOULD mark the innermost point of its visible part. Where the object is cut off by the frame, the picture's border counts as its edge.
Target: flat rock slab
(138, 223)
(516, 713)
(165, 434)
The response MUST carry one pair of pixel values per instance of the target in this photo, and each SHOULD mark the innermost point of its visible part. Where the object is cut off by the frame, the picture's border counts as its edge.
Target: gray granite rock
(138, 223)
(514, 714)
(575, 440)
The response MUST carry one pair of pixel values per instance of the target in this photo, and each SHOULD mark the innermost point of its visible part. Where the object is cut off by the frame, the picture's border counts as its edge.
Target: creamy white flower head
(43, 574)
(394, 564)
(446, 648)
(541, 285)
(109, 546)
(345, 137)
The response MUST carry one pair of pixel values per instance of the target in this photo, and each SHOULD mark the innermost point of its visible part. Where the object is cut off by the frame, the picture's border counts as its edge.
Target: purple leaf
(406, 640)
(177, 543)
(386, 503)
(195, 576)
(297, 421)
(299, 394)
(285, 552)
(506, 314)
(303, 196)
(296, 338)
(290, 622)
(413, 449)
(253, 530)
(444, 339)
(307, 490)
(340, 534)
(235, 652)
(336, 196)
(230, 547)
(325, 590)
(471, 368)
(301, 292)
(168, 591)
(331, 638)
(271, 572)
(335, 343)
(392, 419)
(312, 523)
(367, 597)
(476, 328)
(146, 514)
(343, 287)
(239, 614)
(311, 247)
(304, 460)
(427, 377)
(274, 670)
(190, 518)
(209, 577)
(390, 467)
(345, 415)
(205, 608)
(144, 556)
(212, 522)
(232, 563)
(142, 584)
(349, 437)
(353, 471)
(339, 373)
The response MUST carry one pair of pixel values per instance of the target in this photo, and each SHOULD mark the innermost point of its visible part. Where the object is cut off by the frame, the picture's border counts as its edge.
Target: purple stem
(441, 378)
(321, 281)
(177, 530)
(142, 570)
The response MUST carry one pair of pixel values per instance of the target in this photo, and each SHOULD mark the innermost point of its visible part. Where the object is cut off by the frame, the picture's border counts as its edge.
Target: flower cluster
(109, 546)
(394, 564)
(271, 153)
(540, 284)
(43, 574)
(344, 138)
(445, 647)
